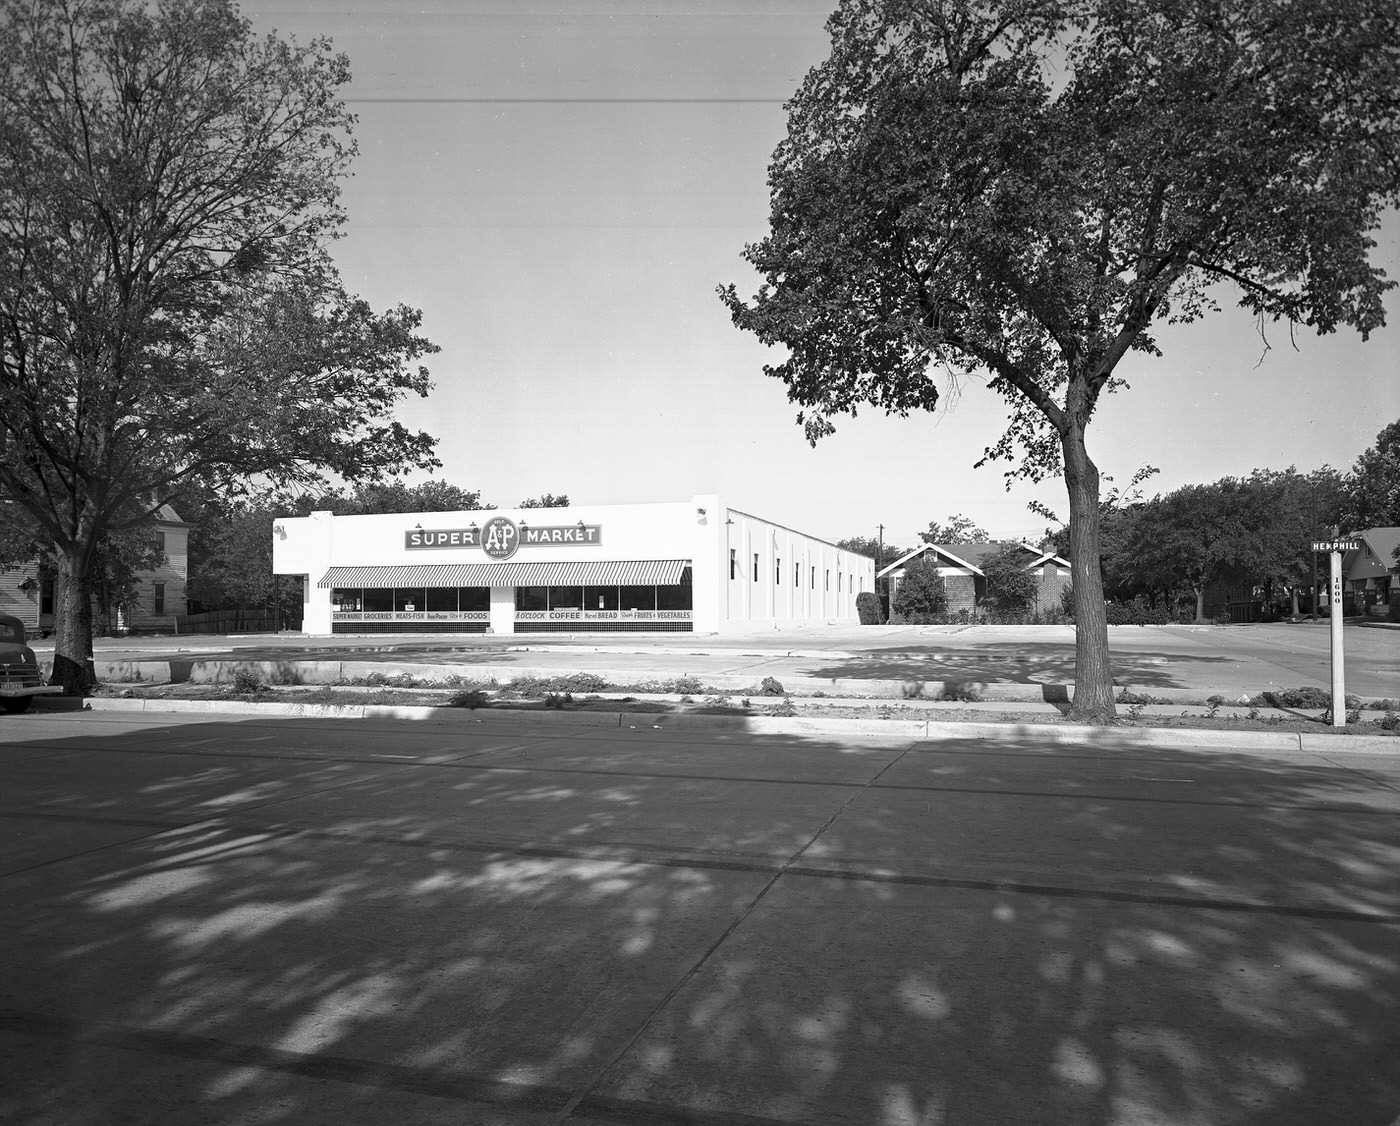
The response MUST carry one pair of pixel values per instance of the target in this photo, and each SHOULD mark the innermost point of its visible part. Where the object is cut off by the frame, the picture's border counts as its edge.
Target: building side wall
(777, 577)
(142, 614)
(19, 595)
(801, 578)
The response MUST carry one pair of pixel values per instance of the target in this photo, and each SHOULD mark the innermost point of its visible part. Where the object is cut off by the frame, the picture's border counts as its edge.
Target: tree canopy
(956, 529)
(1020, 190)
(1373, 496)
(170, 320)
(872, 548)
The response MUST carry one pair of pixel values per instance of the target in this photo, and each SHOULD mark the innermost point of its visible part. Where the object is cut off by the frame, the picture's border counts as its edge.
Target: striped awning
(637, 572)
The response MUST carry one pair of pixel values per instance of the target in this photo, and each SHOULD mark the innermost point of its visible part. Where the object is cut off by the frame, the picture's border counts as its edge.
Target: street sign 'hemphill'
(1336, 545)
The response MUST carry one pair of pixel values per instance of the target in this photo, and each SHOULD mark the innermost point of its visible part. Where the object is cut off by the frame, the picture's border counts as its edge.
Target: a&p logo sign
(500, 537)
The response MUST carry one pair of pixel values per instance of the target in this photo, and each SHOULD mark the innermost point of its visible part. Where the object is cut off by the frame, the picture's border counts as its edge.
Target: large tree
(1020, 190)
(1373, 485)
(170, 320)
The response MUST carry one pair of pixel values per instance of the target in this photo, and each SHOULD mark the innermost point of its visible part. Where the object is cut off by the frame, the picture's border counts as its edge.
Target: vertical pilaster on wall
(503, 609)
(316, 607)
(709, 564)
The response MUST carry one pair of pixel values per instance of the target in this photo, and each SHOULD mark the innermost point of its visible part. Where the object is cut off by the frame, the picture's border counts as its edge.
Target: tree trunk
(1093, 678)
(72, 650)
(1201, 603)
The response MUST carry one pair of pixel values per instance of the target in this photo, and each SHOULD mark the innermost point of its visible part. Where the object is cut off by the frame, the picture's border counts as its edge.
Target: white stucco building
(695, 565)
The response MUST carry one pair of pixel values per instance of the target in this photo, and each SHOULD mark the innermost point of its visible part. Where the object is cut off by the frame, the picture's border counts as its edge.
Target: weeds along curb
(923, 730)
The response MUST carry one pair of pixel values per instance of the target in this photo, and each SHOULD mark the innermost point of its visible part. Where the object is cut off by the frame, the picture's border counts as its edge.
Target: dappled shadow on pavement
(307, 923)
(1018, 663)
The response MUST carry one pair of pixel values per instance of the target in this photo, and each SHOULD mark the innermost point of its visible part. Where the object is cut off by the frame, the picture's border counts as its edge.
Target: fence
(234, 621)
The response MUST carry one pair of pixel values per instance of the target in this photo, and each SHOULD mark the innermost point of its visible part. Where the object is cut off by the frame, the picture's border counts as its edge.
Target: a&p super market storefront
(693, 565)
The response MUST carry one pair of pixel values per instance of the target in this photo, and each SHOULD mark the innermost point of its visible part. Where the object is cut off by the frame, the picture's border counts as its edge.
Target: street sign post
(1334, 549)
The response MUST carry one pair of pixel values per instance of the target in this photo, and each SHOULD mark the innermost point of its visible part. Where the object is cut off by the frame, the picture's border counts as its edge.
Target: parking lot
(1231, 661)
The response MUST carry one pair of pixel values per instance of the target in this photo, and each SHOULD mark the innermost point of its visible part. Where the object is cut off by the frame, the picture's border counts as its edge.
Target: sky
(560, 185)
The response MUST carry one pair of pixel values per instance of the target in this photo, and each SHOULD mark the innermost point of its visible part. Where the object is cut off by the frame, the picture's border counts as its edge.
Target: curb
(927, 730)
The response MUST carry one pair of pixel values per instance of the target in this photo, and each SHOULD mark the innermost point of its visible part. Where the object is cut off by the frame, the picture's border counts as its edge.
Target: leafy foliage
(883, 553)
(957, 529)
(170, 321)
(1010, 587)
(231, 542)
(1373, 493)
(546, 500)
(920, 591)
(1022, 189)
(868, 608)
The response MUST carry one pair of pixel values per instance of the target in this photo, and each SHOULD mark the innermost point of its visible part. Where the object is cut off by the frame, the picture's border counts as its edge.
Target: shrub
(965, 693)
(986, 617)
(771, 686)
(1067, 601)
(868, 607)
(921, 591)
(1306, 697)
(471, 698)
(246, 680)
(581, 682)
(1010, 587)
(1137, 613)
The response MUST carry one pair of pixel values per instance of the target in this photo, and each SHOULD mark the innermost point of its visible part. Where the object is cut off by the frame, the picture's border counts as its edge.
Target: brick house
(151, 607)
(964, 580)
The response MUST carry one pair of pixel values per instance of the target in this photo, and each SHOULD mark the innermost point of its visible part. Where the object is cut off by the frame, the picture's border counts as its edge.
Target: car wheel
(16, 704)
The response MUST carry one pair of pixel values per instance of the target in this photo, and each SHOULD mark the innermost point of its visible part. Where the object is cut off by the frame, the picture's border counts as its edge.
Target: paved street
(505, 920)
(1229, 660)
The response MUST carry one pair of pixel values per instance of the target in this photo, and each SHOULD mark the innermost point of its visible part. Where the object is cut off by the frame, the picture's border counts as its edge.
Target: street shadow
(305, 922)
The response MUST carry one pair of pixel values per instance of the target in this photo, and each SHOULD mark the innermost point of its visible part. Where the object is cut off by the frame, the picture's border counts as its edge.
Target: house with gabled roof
(1372, 574)
(960, 565)
(156, 597)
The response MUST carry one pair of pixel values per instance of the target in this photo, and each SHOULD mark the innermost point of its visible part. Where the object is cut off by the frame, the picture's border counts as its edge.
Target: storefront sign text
(500, 537)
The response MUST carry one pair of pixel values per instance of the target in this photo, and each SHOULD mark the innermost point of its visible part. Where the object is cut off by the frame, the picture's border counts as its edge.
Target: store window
(637, 597)
(409, 600)
(532, 598)
(347, 600)
(379, 600)
(566, 598)
(676, 597)
(441, 600)
(600, 598)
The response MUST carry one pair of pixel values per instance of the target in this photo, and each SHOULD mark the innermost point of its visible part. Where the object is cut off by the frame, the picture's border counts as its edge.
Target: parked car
(20, 679)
